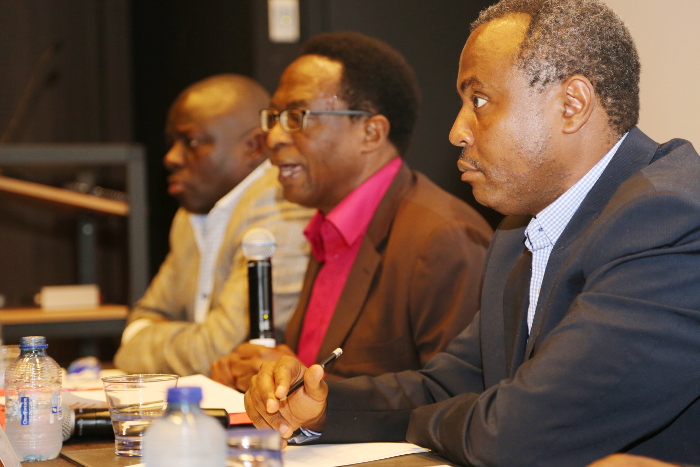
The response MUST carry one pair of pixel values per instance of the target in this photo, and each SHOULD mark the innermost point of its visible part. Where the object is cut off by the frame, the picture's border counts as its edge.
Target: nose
(461, 133)
(276, 137)
(175, 157)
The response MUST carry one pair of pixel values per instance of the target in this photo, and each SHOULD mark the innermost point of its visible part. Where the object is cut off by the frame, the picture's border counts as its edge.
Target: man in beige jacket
(196, 308)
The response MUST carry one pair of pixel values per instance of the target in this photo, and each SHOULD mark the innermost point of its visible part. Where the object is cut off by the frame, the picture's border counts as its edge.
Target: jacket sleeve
(183, 347)
(448, 275)
(618, 368)
(367, 409)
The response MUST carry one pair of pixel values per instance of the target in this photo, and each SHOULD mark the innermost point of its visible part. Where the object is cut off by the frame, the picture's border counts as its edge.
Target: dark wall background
(110, 70)
(173, 47)
(190, 41)
(66, 78)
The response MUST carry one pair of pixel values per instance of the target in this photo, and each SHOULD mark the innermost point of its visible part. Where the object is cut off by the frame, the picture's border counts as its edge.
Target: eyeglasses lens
(291, 120)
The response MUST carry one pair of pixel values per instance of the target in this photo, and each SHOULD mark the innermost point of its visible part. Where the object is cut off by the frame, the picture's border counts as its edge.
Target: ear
(376, 132)
(579, 103)
(256, 149)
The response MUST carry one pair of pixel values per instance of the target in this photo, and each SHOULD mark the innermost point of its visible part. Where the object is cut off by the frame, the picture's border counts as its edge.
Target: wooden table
(411, 460)
(82, 445)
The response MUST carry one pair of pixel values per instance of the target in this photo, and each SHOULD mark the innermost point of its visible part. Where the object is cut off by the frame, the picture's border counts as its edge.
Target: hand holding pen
(330, 359)
(263, 400)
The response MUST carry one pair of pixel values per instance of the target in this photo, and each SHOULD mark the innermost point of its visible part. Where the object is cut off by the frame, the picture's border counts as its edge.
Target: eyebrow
(467, 83)
(291, 105)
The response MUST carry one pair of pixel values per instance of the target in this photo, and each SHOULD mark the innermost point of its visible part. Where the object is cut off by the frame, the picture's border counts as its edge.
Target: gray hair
(570, 37)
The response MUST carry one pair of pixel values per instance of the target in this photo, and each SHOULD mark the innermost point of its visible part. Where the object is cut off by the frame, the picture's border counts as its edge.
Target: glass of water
(134, 402)
(250, 447)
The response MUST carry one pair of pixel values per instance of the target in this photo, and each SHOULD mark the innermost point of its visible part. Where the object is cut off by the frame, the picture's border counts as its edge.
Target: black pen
(330, 359)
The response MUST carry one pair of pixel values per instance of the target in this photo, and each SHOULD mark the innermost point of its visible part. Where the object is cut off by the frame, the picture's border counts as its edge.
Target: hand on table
(306, 407)
(628, 460)
(237, 368)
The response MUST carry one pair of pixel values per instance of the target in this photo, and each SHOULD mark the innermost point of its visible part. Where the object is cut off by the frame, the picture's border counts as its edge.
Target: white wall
(667, 34)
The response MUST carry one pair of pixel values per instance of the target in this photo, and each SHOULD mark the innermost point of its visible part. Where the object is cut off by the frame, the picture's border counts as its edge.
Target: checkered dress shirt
(546, 227)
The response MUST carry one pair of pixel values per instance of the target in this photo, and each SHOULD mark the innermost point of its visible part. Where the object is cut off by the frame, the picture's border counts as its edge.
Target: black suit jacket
(613, 360)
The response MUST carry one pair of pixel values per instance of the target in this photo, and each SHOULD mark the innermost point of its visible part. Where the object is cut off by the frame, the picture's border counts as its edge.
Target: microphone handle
(260, 300)
(97, 424)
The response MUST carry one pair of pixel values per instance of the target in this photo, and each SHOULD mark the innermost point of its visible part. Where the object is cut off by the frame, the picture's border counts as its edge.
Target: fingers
(252, 408)
(243, 382)
(248, 350)
(286, 371)
(307, 407)
(256, 406)
(273, 377)
(283, 349)
(266, 388)
(221, 372)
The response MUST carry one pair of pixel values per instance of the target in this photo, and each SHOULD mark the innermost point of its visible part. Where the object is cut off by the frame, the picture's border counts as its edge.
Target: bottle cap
(33, 342)
(190, 394)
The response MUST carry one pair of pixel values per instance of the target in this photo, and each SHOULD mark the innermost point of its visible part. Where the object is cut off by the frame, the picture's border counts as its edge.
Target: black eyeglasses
(294, 120)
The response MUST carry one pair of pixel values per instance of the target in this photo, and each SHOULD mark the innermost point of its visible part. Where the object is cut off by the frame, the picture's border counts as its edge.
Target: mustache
(464, 157)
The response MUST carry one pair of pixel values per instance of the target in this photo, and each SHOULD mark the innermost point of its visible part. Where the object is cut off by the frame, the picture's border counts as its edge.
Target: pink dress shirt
(335, 240)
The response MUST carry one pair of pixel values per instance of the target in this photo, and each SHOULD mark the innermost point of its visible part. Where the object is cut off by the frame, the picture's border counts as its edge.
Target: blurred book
(61, 297)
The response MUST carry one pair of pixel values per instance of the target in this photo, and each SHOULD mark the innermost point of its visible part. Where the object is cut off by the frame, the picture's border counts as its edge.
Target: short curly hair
(570, 37)
(375, 78)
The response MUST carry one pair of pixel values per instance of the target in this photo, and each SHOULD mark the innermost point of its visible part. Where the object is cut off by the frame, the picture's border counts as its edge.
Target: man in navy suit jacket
(588, 338)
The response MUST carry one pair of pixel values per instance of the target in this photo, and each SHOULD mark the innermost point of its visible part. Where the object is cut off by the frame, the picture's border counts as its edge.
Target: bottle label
(25, 409)
(55, 406)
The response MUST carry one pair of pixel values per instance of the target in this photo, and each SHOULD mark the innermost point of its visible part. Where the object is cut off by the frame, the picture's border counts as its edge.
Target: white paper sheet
(332, 455)
(336, 455)
(93, 399)
(214, 395)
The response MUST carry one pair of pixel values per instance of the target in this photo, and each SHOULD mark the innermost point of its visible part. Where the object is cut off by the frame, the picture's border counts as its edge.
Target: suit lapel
(516, 300)
(364, 269)
(499, 321)
(635, 153)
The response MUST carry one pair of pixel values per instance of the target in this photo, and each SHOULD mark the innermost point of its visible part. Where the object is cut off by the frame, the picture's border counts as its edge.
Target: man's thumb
(313, 383)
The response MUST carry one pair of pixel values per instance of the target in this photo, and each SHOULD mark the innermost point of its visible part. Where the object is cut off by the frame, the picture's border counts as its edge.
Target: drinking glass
(250, 447)
(134, 402)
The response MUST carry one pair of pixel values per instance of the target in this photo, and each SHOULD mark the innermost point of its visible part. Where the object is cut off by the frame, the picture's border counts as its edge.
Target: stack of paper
(90, 394)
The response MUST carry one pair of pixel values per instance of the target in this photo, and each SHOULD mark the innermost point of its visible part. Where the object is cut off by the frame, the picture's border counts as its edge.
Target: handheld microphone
(258, 247)
(86, 423)
(97, 424)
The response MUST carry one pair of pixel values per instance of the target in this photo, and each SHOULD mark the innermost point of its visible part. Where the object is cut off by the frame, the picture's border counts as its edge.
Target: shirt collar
(230, 198)
(226, 204)
(351, 217)
(547, 226)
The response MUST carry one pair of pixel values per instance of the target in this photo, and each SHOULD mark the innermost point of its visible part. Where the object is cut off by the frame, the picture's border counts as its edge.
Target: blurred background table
(90, 327)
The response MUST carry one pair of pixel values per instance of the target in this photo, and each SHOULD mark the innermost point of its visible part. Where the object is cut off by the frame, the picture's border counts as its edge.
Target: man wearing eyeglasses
(396, 262)
(196, 308)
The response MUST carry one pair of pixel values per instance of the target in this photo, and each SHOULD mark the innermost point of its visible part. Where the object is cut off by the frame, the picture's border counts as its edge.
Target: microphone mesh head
(259, 244)
(68, 422)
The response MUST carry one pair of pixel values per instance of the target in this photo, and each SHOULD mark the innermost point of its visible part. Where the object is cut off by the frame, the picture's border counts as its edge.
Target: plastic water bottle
(33, 402)
(185, 436)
